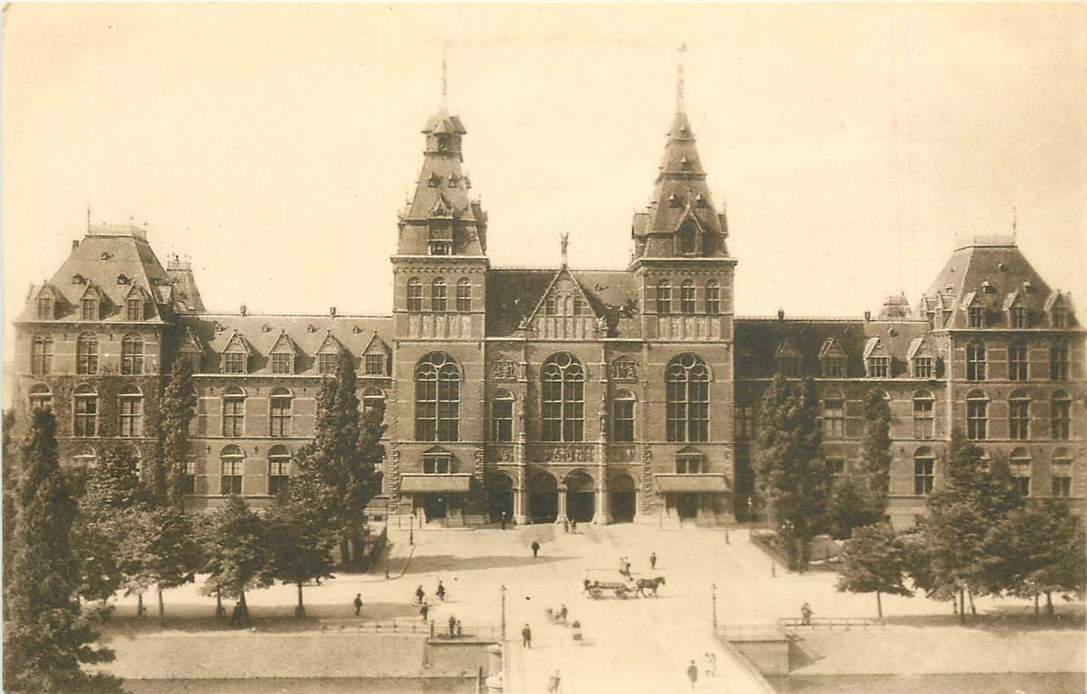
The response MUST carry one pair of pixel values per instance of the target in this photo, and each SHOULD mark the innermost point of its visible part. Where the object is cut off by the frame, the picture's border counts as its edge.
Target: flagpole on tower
(679, 78)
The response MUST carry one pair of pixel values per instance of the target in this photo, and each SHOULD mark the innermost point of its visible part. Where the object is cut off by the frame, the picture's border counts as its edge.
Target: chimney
(867, 316)
(781, 314)
(75, 244)
(332, 311)
(242, 310)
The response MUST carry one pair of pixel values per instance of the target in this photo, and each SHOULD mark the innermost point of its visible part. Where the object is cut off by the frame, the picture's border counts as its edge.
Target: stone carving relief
(503, 454)
(564, 454)
(504, 370)
(623, 369)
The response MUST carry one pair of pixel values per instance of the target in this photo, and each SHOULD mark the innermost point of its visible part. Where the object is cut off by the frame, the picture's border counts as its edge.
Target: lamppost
(411, 528)
(503, 592)
(713, 593)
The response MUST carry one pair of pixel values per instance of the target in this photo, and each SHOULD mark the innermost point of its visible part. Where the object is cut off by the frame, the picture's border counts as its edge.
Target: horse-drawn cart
(598, 582)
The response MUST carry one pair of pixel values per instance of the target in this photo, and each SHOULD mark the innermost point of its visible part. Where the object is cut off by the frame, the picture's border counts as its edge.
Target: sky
(854, 145)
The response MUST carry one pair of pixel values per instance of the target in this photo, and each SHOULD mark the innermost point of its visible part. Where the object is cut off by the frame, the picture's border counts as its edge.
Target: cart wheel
(621, 593)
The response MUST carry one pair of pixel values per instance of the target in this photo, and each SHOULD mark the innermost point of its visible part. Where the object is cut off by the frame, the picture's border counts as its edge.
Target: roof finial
(88, 215)
(1015, 222)
(564, 239)
(445, 83)
(679, 78)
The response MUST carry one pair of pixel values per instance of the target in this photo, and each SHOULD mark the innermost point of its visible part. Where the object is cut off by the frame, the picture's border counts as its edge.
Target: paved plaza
(633, 646)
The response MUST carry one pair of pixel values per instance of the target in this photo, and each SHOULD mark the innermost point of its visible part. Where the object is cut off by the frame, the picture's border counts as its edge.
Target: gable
(330, 345)
(830, 349)
(284, 344)
(237, 343)
(873, 347)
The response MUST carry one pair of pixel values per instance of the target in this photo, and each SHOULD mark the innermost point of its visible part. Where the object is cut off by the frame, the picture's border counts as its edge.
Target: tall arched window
(132, 355)
(502, 416)
(86, 354)
(85, 411)
(975, 361)
(686, 297)
(688, 395)
(131, 405)
(233, 412)
(924, 471)
(664, 297)
(563, 396)
(924, 419)
(232, 460)
(279, 469)
(464, 295)
(41, 355)
(1019, 415)
(713, 298)
(622, 416)
(281, 411)
(373, 400)
(437, 398)
(834, 416)
(438, 297)
(41, 398)
(415, 295)
(1060, 416)
(977, 416)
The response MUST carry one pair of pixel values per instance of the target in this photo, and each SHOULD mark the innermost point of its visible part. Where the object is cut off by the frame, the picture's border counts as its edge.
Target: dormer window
(1019, 317)
(441, 248)
(699, 200)
(234, 361)
(443, 143)
(283, 362)
(89, 306)
(833, 367)
(975, 317)
(1060, 317)
(923, 367)
(326, 362)
(434, 181)
(374, 365)
(45, 308)
(684, 163)
(134, 309)
(674, 201)
(879, 367)
(789, 365)
(686, 240)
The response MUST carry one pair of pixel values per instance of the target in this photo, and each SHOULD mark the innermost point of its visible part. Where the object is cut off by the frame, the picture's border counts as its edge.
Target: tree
(791, 472)
(851, 505)
(177, 406)
(874, 561)
(160, 551)
(11, 482)
(1038, 549)
(338, 465)
(238, 554)
(876, 451)
(301, 546)
(46, 638)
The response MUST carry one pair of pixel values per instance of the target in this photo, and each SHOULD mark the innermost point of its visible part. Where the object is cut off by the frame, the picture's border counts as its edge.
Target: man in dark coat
(692, 674)
(535, 549)
(358, 603)
(526, 637)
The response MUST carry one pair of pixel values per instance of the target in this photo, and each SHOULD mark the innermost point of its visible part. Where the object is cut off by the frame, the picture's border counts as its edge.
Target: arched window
(86, 354)
(281, 411)
(664, 297)
(688, 395)
(85, 411)
(464, 295)
(1019, 415)
(41, 355)
(563, 396)
(1058, 361)
(232, 460)
(975, 361)
(415, 295)
(834, 416)
(924, 419)
(373, 400)
(686, 297)
(713, 298)
(438, 302)
(977, 416)
(131, 406)
(279, 469)
(1061, 473)
(1060, 416)
(622, 416)
(1018, 362)
(1019, 468)
(41, 398)
(502, 416)
(924, 471)
(233, 412)
(132, 355)
(690, 462)
(437, 398)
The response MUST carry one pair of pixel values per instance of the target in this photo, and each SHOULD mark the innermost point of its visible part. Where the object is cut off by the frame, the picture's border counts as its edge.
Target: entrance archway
(500, 497)
(623, 498)
(687, 506)
(436, 507)
(543, 499)
(580, 500)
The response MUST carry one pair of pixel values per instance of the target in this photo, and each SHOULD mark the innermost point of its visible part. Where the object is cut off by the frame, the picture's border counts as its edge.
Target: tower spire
(445, 83)
(680, 105)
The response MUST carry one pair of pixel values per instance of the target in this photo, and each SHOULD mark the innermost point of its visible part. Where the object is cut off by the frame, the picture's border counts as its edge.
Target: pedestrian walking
(562, 613)
(805, 614)
(452, 626)
(358, 603)
(565, 525)
(419, 595)
(440, 592)
(711, 665)
(504, 516)
(573, 525)
(424, 609)
(526, 637)
(653, 560)
(535, 549)
(553, 683)
(459, 629)
(692, 674)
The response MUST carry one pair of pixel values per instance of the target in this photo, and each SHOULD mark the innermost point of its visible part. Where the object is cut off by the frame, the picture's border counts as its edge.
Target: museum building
(547, 394)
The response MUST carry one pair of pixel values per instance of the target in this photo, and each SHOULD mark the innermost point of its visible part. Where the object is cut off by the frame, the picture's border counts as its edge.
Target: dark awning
(435, 483)
(692, 483)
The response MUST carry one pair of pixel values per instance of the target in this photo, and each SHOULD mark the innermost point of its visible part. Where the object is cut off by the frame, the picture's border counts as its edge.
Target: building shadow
(450, 563)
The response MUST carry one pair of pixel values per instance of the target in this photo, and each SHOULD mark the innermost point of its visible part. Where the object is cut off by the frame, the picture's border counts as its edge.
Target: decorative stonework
(562, 454)
(504, 370)
(503, 454)
(621, 454)
(647, 495)
(624, 369)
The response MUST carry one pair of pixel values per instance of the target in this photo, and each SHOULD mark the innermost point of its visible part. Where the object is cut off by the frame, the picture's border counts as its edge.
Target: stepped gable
(307, 333)
(990, 272)
(513, 295)
(758, 341)
(111, 261)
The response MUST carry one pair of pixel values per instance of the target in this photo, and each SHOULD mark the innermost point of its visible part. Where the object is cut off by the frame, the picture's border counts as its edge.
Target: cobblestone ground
(631, 646)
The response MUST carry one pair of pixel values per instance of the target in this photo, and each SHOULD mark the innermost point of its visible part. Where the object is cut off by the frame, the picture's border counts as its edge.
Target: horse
(650, 584)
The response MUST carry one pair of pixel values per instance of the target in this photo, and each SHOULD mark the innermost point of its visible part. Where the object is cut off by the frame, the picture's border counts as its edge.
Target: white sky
(274, 145)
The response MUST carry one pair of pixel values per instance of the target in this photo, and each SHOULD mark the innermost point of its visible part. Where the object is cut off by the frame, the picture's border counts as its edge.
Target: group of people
(569, 525)
(709, 666)
(421, 601)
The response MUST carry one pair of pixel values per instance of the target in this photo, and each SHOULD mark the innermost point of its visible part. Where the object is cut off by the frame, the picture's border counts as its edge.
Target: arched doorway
(543, 499)
(623, 498)
(500, 497)
(580, 500)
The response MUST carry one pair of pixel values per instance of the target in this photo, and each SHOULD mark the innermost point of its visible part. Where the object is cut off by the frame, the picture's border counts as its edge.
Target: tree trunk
(973, 610)
(1036, 612)
(140, 611)
(345, 549)
(1050, 612)
(219, 612)
(245, 609)
(300, 609)
(962, 607)
(879, 606)
(162, 610)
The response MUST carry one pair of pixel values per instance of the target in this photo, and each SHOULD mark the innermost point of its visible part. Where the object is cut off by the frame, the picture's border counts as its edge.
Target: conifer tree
(874, 561)
(237, 550)
(177, 407)
(46, 638)
(10, 481)
(876, 452)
